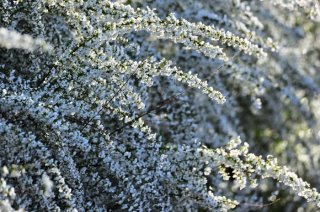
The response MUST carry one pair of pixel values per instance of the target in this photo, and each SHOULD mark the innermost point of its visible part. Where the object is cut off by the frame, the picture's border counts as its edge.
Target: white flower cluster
(246, 164)
(312, 7)
(11, 39)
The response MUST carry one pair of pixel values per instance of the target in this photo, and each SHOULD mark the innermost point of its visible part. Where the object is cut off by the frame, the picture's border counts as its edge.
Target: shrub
(110, 106)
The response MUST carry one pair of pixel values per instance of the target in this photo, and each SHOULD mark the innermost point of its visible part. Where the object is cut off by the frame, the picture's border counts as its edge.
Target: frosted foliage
(173, 105)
